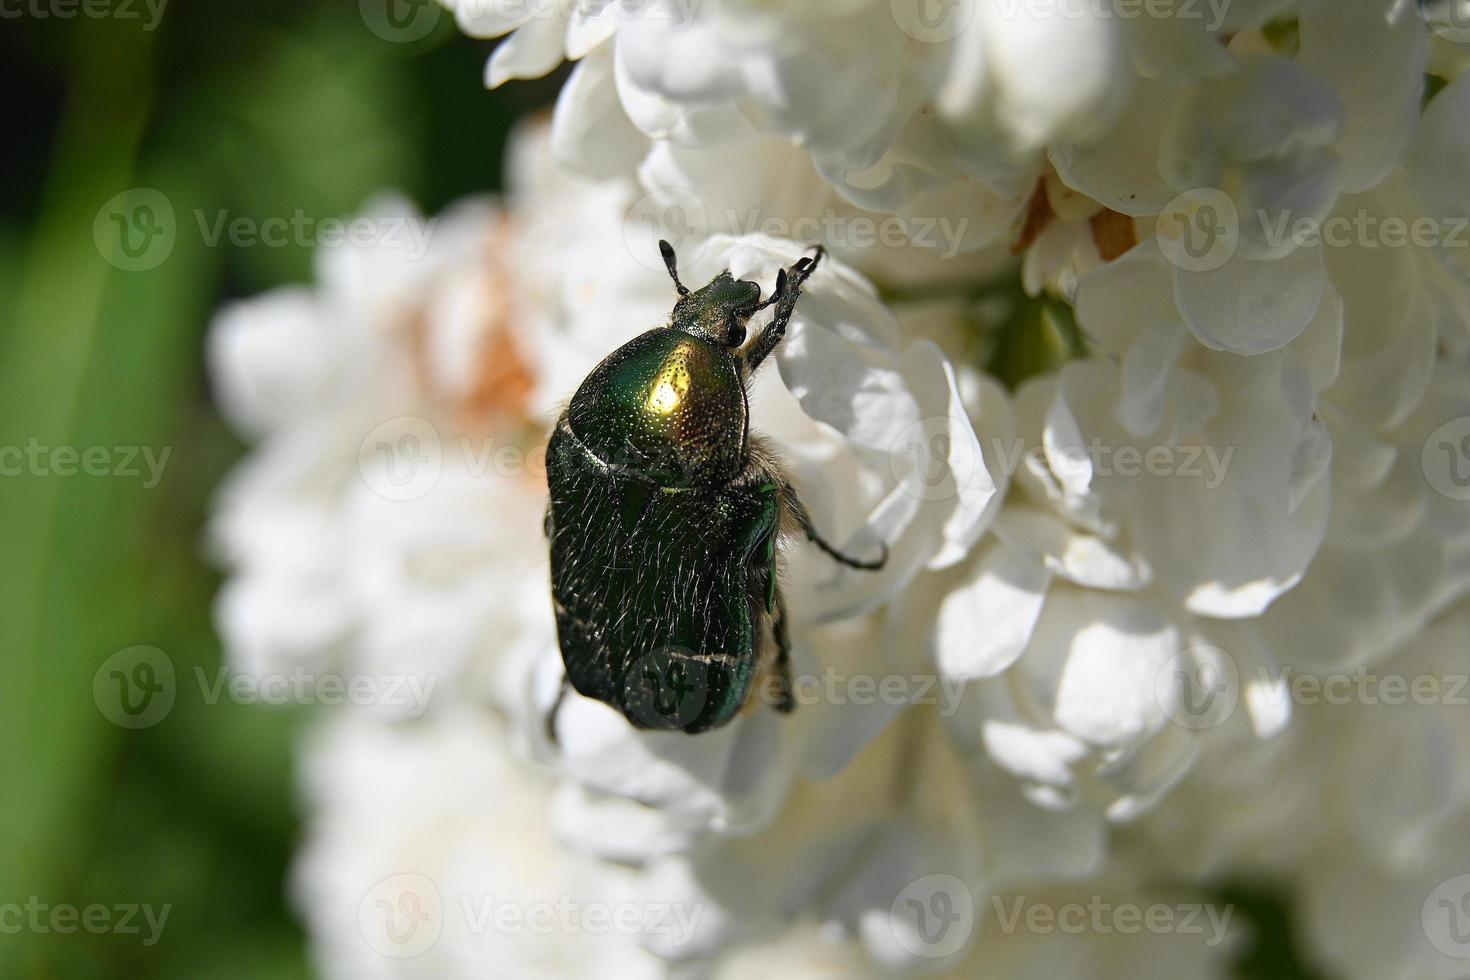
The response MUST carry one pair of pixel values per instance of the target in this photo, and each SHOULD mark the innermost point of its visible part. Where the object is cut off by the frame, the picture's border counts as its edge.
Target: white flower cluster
(1142, 345)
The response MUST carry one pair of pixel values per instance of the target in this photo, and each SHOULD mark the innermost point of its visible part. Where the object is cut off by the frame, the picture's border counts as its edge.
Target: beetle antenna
(672, 264)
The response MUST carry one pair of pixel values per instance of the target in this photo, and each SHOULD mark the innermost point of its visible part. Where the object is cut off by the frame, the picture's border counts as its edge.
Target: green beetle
(666, 512)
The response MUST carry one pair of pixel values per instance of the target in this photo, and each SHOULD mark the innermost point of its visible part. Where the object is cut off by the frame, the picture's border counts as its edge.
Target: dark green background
(262, 108)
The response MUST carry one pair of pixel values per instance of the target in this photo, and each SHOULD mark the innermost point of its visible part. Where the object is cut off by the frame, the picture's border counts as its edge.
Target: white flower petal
(1120, 170)
(1110, 650)
(1146, 371)
(590, 132)
(1248, 306)
(1041, 756)
(270, 359)
(1441, 153)
(1053, 76)
(1126, 297)
(532, 51)
(1084, 559)
(985, 623)
(1373, 53)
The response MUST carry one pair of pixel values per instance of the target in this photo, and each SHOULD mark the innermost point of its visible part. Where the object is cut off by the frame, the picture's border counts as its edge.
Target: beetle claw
(805, 266)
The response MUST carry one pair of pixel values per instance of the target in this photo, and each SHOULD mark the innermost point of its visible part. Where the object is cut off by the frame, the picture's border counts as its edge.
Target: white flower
(1155, 498)
(427, 853)
(1130, 489)
(871, 90)
(1362, 805)
(364, 534)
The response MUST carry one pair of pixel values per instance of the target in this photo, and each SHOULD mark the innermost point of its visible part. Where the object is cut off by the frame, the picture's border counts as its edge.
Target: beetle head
(720, 310)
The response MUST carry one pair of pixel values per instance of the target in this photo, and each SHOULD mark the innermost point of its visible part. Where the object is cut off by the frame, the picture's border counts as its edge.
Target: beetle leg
(561, 695)
(788, 290)
(785, 702)
(546, 524)
(803, 518)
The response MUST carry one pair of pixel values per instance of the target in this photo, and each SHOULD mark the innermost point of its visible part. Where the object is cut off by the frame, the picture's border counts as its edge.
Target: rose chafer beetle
(666, 513)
